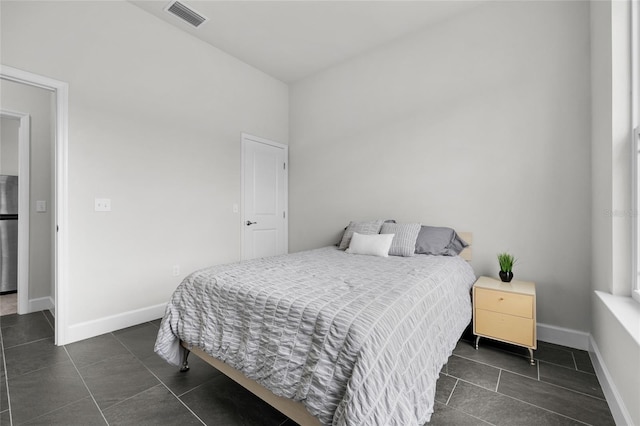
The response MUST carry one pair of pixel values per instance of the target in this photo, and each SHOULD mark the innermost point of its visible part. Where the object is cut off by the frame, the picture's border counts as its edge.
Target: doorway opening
(60, 187)
(14, 211)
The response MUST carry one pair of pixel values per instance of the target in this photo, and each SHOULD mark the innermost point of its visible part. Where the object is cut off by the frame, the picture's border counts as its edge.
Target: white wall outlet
(176, 270)
(41, 206)
(103, 204)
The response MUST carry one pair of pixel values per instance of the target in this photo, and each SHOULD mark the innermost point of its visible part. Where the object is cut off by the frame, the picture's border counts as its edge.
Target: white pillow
(363, 228)
(373, 245)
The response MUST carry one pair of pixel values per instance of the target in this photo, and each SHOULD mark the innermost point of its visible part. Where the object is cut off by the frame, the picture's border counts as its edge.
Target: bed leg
(185, 364)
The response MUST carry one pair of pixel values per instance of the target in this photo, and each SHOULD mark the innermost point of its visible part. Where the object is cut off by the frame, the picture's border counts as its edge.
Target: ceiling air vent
(185, 13)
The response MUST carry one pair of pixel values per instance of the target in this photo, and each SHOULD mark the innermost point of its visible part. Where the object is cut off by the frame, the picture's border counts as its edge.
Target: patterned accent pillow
(404, 242)
(363, 228)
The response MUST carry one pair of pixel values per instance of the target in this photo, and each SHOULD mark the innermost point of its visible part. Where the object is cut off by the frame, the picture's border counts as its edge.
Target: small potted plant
(506, 262)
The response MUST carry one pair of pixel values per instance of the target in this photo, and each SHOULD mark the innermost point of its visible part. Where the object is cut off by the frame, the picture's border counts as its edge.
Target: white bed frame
(295, 410)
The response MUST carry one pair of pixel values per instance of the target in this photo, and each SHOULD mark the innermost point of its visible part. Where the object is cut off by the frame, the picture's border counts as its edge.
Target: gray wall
(481, 123)
(37, 103)
(9, 146)
(155, 121)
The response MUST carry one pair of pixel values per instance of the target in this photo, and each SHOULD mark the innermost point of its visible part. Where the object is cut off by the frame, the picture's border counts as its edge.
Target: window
(635, 291)
(635, 122)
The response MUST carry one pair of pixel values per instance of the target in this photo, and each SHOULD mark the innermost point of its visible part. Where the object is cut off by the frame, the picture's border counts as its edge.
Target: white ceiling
(290, 40)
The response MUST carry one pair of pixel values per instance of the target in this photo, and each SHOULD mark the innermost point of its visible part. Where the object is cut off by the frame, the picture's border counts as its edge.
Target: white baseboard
(40, 304)
(111, 323)
(616, 404)
(563, 336)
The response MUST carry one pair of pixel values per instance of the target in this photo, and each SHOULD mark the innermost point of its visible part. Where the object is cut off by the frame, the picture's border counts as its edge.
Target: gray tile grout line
(452, 390)
(6, 378)
(193, 388)
(565, 367)
(496, 391)
(547, 410)
(57, 409)
(562, 387)
(72, 363)
(448, 399)
(456, 409)
(476, 385)
(85, 385)
(102, 359)
(30, 342)
(519, 400)
(53, 327)
(132, 396)
(544, 360)
(159, 380)
(498, 381)
(6, 374)
(489, 365)
(467, 414)
(31, 371)
(521, 375)
(538, 369)
(505, 351)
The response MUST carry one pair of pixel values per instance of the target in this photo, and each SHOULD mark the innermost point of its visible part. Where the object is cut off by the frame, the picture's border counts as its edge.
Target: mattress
(359, 340)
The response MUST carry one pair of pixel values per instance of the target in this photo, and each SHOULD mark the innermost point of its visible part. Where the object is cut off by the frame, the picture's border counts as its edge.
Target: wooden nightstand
(505, 312)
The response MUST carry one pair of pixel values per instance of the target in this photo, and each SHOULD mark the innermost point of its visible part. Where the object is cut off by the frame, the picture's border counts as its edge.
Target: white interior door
(265, 186)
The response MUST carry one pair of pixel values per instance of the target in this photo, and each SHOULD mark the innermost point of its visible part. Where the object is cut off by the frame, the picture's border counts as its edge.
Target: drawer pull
(501, 299)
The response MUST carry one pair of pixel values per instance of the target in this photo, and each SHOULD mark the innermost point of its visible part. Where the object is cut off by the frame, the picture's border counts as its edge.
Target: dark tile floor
(116, 379)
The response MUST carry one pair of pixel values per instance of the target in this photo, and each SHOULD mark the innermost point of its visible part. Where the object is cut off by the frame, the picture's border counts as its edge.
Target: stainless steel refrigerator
(8, 234)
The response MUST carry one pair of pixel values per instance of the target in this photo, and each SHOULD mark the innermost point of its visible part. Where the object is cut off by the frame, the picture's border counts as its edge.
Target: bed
(325, 336)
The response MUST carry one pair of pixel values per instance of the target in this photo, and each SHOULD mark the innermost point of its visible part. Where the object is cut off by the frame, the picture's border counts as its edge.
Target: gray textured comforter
(360, 340)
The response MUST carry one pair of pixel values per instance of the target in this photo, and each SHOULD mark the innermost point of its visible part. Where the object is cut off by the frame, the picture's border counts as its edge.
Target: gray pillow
(364, 228)
(439, 241)
(404, 240)
(345, 228)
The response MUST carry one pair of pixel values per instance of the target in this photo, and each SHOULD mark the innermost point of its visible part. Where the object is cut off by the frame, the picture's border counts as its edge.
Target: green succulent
(506, 261)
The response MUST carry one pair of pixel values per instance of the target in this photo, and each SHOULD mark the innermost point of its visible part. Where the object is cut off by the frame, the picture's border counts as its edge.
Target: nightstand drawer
(505, 327)
(504, 302)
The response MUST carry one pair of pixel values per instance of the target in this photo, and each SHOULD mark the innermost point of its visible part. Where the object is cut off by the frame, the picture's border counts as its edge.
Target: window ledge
(626, 310)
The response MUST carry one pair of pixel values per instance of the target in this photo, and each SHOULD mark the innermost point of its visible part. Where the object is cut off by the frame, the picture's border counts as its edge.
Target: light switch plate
(41, 206)
(103, 204)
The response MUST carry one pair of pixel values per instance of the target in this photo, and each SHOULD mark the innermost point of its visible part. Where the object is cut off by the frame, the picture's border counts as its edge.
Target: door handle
(249, 223)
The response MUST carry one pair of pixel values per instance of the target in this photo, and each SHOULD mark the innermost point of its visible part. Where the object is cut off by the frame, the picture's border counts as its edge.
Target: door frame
(61, 245)
(24, 149)
(250, 138)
